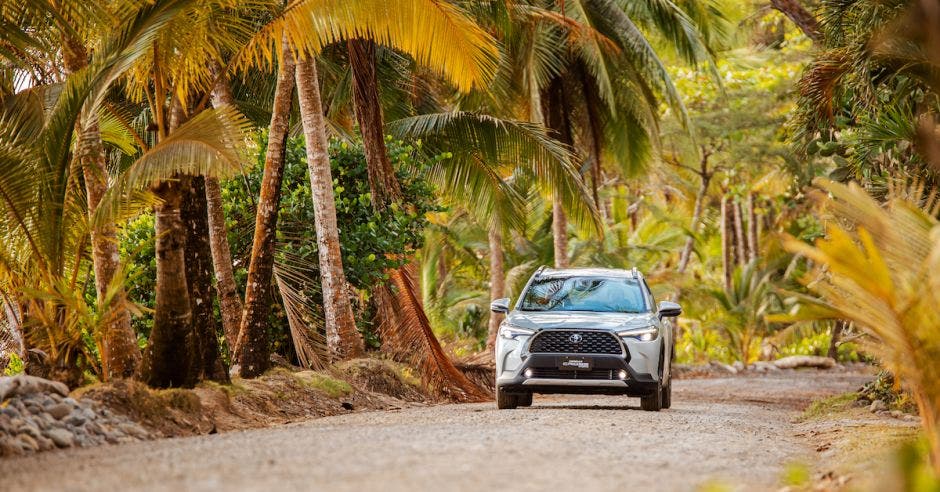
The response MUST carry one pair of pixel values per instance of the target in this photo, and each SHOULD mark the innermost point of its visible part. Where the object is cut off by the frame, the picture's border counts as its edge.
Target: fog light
(527, 373)
(622, 374)
(646, 337)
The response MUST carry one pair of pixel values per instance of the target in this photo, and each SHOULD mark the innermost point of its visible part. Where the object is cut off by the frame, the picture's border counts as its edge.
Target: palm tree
(340, 323)
(45, 225)
(253, 351)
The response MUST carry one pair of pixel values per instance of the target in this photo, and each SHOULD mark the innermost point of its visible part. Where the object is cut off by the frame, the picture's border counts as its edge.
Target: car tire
(666, 394)
(654, 401)
(524, 400)
(505, 401)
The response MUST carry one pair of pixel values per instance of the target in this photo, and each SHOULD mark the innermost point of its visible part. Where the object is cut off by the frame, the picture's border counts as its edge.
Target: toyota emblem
(576, 338)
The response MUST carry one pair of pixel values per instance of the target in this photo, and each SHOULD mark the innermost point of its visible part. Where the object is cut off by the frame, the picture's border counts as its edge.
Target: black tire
(654, 401)
(666, 395)
(505, 401)
(524, 400)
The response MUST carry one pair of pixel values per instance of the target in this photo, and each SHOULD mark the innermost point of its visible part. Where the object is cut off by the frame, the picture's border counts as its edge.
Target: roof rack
(636, 273)
(538, 272)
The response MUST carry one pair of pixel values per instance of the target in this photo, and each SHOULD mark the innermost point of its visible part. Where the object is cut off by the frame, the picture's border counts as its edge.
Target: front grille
(561, 374)
(560, 342)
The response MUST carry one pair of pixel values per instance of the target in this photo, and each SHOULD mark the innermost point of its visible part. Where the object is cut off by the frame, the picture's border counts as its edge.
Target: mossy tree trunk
(253, 346)
(342, 337)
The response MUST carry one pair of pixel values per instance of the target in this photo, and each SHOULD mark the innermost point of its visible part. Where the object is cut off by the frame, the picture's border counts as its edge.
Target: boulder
(24, 385)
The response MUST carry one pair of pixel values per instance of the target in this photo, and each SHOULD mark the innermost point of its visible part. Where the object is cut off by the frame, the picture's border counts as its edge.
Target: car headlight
(514, 331)
(642, 334)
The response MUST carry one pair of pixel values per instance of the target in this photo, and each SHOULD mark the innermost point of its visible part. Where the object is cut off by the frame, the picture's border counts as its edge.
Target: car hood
(580, 319)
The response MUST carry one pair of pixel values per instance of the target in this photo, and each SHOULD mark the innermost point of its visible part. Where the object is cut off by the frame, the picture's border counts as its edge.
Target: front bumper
(636, 383)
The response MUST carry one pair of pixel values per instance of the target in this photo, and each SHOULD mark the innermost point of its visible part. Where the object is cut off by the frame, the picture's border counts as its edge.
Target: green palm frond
(489, 148)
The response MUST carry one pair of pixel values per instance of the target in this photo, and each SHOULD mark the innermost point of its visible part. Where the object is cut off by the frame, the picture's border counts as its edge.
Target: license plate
(575, 363)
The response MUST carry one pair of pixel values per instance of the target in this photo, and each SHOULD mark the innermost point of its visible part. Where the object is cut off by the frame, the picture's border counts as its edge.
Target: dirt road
(738, 431)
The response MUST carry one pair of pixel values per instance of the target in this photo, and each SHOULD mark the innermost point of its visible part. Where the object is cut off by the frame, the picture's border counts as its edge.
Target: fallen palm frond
(406, 334)
(879, 267)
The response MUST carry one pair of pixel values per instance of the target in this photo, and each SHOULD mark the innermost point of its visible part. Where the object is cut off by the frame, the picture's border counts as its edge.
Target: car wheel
(505, 401)
(524, 400)
(654, 401)
(666, 394)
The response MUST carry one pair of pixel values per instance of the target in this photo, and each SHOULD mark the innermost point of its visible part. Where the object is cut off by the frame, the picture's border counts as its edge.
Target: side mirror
(669, 309)
(500, 305)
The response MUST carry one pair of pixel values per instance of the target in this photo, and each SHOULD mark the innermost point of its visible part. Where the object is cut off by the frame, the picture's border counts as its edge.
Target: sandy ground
(737, 431)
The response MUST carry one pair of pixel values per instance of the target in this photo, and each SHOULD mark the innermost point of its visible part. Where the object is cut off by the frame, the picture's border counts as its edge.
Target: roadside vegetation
(190, 189)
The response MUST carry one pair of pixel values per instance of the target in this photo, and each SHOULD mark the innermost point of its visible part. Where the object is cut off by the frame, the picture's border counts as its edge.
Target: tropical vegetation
(190, 187)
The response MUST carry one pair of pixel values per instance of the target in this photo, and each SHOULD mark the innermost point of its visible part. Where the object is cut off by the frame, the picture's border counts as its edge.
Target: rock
(724, 367)
(795, 361)
(896, 414)
(9, 448)
(70, 402)
(764, 366)
(878, 406)
(10, 412)
(27, 443)
(862, 402)
(59, 410)
(61, 437)
(30, 428)
(45, 444)
(76, 419)
(738, 366)
(911, 418)
(25, 385)
(133, 430)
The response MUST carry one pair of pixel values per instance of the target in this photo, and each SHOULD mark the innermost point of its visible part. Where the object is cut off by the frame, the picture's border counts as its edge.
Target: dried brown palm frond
(406, 334)
(309, 343)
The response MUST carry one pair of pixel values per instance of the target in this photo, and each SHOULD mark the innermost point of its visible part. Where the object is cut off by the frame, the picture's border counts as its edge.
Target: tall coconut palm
(120, 354)
(45, 220)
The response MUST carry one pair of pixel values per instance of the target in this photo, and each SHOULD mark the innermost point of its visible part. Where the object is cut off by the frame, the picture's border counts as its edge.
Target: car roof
(587, 272)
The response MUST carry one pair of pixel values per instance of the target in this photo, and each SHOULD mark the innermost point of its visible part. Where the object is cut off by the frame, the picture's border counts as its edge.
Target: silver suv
(585, 331)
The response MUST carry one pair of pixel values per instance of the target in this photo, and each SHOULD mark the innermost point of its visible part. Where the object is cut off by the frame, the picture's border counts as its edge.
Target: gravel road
(735, 430)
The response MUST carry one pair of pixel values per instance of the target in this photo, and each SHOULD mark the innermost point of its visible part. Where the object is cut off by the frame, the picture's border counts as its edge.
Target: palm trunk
(382, 180)
(696, 217)
(120, 353)
(207, 362)
(170, 352)
(727, 241)
(253, 348)
(342, 337)
(497, 281)
(740, 244)
(752, 228)
(230, 303)
(800, 16)
(557, 120)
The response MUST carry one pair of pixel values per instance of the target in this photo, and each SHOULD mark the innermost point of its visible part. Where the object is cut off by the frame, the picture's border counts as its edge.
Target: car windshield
(597, 294)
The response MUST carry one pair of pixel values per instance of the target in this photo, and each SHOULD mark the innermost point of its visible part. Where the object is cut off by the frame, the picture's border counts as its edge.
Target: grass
(829, 407)
(334, 388)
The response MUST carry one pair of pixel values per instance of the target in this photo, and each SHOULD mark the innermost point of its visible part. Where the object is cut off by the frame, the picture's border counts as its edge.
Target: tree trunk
(382, 180)
(727, 241)
(230, 303)
(800, 16)
(752, 229)
(253, 349)
(120, 354)
(740, 243)
(837, 329)
(696, 217)
(497, 281)
(557, 120)
(207, 362)
(170, 352)
(342, 337)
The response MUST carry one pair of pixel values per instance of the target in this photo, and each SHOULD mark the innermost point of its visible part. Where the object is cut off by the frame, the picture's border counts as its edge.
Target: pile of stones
(37, 415)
